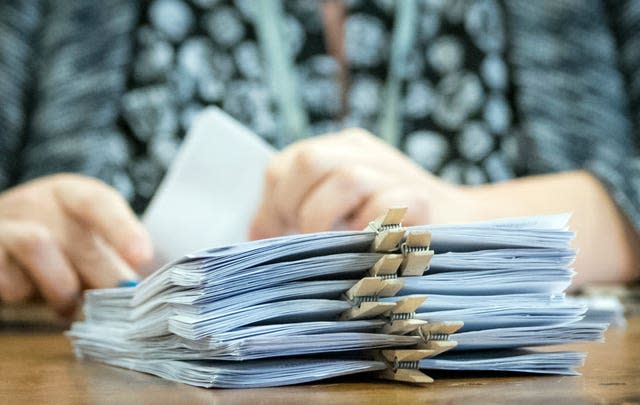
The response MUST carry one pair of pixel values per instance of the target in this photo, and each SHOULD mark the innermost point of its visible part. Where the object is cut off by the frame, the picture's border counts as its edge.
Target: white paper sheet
(211, 191)
(259, 300)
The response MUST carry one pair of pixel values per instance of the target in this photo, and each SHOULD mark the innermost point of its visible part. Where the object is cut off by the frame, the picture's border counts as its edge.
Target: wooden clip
(366, 310)
(387, 265)
(407, 375)
(445, 328)
(402, 327)
(416, 254)
(418, 239)
(403, 366)
(389, 230)
(374, 286)
(387, 240)
(438, 346)
(435, 336)
(390, 287)
(365, 287)
(399, 325)
(393, 216)
(397, 356)
(409, 304)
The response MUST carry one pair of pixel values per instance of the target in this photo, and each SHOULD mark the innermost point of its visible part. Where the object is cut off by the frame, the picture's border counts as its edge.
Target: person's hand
(60, 234)
(348, 179)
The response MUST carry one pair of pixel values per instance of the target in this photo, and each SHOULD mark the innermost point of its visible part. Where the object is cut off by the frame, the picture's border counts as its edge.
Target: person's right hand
(63, 233)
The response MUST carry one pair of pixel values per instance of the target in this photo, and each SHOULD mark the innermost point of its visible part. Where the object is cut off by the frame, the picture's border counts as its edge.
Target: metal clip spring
(438, 336)
(406, 364)
(412, 249)
(369, 298)
(430, 336)
(402, 316)
(380, 228)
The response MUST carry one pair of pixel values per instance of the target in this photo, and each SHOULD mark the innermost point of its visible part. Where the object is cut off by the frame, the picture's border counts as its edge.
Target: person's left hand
(62, 233)
(348, 179)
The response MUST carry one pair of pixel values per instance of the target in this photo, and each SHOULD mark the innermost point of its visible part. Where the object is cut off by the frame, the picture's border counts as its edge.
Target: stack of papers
(308, 307)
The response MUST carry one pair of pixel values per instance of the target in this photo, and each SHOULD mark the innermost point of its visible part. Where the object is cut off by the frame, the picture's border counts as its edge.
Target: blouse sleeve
(19, 22)
(621, 173)
(84, 50)
(577, 91)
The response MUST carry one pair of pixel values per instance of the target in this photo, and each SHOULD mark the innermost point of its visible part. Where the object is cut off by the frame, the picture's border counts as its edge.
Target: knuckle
(87, 250)
(66, 300)
(27, 196)
(306, 159)
(64, 181)
(90, 188)
(16, 293)
(306, 218)
(85, 203)
(347, 177)
(34, 239)
(14, 286)
(74, 178)
(422, 210)
(65, 177)
(357, 134)
(270, 175)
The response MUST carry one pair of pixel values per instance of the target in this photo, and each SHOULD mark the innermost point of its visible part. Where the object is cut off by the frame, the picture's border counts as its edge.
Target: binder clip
(417, 255)
(388, 229)
(404, 365)
(400, 319)
(435, 336)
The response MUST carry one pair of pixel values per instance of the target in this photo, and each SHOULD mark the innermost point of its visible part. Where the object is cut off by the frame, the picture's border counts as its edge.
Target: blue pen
(128, 283)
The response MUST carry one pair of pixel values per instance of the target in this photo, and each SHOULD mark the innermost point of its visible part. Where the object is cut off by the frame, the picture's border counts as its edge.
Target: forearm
(608, 245)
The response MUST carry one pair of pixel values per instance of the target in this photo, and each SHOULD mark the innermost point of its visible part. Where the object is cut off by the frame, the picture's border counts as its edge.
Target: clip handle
(389, 230)
(417, 255)
(403, 365)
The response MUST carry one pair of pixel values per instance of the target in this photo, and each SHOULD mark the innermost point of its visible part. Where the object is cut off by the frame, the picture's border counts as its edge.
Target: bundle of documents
(390, 301)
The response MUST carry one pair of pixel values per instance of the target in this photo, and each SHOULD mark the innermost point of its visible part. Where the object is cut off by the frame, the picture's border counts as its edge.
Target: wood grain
(39, 367)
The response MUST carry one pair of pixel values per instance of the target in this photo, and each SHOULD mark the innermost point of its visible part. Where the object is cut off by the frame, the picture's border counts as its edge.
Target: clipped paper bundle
(389, 300)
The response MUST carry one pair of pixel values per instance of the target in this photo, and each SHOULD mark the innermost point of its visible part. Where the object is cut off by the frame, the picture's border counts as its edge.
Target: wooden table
(38, 367)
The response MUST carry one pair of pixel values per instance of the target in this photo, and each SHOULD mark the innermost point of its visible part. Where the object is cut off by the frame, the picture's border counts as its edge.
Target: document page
(211, 191)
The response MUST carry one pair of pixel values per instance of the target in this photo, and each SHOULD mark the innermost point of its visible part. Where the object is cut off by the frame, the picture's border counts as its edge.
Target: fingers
(36, 251)
(267, 221)
(337, 179)
(98, 207)
(293, 175)
(98, 265)
(379, 202)
(302, 170)
(336, 198)
(15, 286)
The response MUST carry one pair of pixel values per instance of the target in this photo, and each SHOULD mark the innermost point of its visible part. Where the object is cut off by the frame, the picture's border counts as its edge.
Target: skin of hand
(349, 178)
(62, 233)
(346, 180)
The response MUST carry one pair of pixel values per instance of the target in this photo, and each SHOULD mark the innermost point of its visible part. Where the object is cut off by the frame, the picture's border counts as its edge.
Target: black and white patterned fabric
(492, 89)
(63, 70)
(456, 116)
(19, 22)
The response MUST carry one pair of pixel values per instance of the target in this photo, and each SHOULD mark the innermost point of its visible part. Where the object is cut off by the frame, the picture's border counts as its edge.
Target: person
(482, 93)
(350, 178)
(62, 233)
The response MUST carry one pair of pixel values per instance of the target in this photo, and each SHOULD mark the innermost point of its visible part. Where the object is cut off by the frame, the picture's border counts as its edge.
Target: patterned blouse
(480, 90)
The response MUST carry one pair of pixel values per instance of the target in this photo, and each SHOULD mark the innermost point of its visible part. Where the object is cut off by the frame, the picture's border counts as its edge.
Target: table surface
(39, 367)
